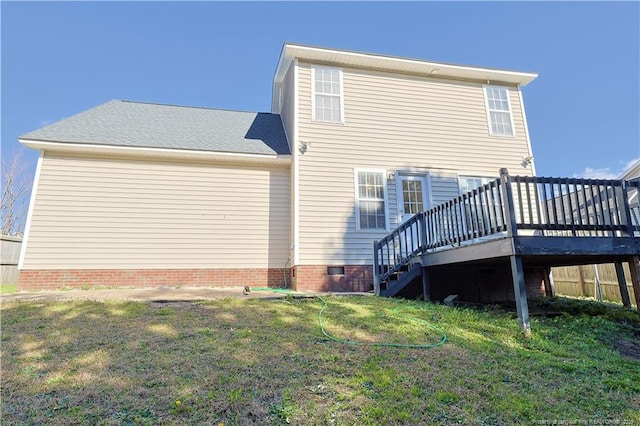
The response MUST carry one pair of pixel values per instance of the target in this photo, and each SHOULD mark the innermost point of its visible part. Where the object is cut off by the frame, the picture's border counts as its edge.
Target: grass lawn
(267, 362)
(8, 288)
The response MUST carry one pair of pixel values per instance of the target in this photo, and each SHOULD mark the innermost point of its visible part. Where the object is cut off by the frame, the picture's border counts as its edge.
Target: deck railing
(475, 214)
(513, 205)
(395, 251)
(576, 207)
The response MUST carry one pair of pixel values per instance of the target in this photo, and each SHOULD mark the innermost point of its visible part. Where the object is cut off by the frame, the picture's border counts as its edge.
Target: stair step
(399, 280)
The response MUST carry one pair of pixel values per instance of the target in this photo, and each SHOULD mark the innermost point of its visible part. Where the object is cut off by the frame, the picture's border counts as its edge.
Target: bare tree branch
(16, 187)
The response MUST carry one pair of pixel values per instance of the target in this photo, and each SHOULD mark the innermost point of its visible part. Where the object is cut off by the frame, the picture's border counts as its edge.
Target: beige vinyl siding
(107, 213)
(393, 122)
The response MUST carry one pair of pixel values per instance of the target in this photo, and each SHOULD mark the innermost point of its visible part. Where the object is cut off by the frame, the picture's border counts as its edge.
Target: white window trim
(313, 94)
(487, 179)
(488, 111)
(356, 194)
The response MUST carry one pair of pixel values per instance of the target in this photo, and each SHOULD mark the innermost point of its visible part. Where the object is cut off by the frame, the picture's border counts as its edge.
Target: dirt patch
(628, 349)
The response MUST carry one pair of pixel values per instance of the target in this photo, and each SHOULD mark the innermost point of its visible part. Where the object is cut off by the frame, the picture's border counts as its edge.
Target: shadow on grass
(266, 362)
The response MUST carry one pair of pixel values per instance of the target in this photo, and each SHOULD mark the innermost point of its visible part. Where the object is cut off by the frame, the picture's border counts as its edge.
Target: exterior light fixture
(526, 161)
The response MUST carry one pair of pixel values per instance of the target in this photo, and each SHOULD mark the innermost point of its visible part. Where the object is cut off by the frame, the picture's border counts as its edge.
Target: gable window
(498, 111)
(326, 94)
(371, 199)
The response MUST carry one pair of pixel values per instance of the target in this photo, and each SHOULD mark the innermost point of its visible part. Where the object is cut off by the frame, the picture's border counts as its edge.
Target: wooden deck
(527, 221)
(539, 250)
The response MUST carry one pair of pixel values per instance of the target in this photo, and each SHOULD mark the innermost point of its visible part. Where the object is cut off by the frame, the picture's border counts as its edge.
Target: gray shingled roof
(136, 124)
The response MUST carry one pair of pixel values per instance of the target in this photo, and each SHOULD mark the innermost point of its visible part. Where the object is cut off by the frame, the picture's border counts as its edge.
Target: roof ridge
(144, 125)
(192, 106)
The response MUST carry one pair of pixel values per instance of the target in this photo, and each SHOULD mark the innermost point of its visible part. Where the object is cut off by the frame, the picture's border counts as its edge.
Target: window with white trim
(498, 111)
(371, 199)
(469, 183)
(326, 94)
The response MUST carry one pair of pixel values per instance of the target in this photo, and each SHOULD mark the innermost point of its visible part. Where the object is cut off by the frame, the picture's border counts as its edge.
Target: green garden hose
(356, 343)
(394, 345)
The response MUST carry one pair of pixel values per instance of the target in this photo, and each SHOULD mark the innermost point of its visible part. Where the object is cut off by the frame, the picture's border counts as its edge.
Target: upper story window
(326, 94)
(498, 111)
(371, 200)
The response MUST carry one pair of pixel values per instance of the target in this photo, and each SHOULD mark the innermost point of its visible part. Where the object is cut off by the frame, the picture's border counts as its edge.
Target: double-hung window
(327, 94)
(498, 111)
(371, 199)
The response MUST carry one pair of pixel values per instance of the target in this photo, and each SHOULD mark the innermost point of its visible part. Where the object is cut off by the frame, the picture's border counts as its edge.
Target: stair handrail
(396, 250)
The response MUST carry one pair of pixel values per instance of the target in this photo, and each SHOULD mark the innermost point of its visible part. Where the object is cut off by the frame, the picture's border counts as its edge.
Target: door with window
(412, 197)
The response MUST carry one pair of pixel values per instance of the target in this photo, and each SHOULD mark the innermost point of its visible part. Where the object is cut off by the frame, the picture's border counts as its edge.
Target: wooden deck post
(549, 284)
(426, 295)
(376, 269)
(622, 282)
(517, 271)
(634, 268)
(626, 209)
(520, 290)
(423, 232)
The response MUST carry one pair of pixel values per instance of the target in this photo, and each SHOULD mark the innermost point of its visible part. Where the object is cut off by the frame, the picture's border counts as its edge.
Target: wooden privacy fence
(583, 281)
(10, 253)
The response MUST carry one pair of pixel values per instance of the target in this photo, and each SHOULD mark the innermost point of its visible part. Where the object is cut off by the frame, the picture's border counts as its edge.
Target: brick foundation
(472, 283)
(316, 278)
(53, 279)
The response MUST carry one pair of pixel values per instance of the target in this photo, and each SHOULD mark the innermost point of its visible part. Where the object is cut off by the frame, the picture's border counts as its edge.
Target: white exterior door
(412, 195)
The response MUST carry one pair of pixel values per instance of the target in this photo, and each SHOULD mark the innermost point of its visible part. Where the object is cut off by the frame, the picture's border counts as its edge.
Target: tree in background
(16, 186)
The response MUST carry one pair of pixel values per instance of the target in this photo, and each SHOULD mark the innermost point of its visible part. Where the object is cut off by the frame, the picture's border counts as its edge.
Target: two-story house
(138, 194)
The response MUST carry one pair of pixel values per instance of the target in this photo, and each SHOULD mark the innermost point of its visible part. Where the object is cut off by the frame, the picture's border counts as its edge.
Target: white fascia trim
(356, 194)
(296, 168)
(156, 152)
(32, 203)
(284, 62)
(526, 133)
(395, 63)
(277, 84)
(631, 172)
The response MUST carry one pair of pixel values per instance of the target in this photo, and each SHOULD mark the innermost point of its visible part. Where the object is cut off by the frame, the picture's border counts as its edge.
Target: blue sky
(59, 59)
